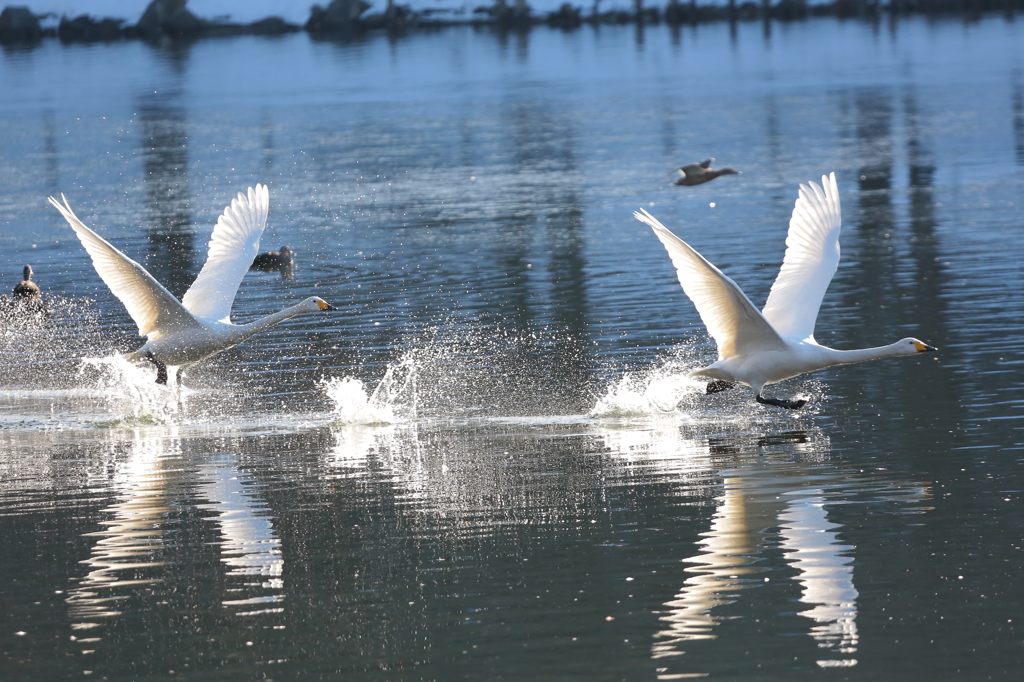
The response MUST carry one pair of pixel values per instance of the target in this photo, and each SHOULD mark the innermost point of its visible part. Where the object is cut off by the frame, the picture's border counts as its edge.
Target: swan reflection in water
(130, 550)
(250, 547)
(126, 552)
(771, 526)
(730, 560)
(761, 502)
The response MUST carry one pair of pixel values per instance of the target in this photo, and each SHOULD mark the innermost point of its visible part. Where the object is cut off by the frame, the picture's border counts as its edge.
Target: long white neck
(270, 320)
(847, 357)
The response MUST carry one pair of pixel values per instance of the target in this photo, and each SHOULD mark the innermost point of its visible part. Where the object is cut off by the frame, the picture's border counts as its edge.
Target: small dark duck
(274, 261)
(698, 173)
(26, 289)
(26, 296)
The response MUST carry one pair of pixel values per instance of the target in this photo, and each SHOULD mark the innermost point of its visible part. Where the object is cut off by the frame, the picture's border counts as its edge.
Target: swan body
(186, 332)
(777, 343)
(698, 173)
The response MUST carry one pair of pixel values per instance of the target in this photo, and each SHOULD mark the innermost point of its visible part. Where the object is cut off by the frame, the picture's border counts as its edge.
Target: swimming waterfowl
(26, 301)
(761, 348)
(186, 332)
(274, 261)
(698, 173)
(26, 289)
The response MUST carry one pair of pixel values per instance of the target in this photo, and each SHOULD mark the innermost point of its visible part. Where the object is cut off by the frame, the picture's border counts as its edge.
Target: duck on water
(26, 298)
(275, 261)
(182, 333)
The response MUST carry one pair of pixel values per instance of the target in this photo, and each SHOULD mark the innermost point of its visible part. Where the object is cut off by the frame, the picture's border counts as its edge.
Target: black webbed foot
(718, 385)
(161, 368)
(777, 402)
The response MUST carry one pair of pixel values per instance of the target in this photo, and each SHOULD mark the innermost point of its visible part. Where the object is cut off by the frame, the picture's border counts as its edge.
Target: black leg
(717, 386)
(788, 404)
(161, 368)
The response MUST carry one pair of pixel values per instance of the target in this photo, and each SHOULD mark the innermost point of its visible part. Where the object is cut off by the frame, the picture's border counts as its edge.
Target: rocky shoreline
(171, 19)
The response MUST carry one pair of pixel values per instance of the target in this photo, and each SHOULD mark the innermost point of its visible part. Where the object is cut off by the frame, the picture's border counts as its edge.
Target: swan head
(729, 171)
(315, 304)
(911, 346)
(26, 273)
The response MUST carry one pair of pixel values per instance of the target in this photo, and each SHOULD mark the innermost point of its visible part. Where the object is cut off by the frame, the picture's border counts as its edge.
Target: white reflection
(826, 572)
(663, 449)
(391, 448)
(354, 444)
(726, 558)
(250, 546)
(756, 499)
(132, 538)
(760, 504)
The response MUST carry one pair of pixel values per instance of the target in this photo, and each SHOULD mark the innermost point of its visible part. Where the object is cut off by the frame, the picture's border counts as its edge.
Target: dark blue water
(489, 464)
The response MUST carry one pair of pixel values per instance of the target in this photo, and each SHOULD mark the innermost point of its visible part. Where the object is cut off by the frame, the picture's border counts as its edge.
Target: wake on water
(459, 373)
(419, 386)
(112, 392)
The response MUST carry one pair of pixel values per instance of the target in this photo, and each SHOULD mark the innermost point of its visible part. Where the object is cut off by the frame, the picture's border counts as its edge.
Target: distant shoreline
(170, 20)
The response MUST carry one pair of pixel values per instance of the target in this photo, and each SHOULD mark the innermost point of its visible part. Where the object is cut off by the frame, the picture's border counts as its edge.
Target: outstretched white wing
(732, 320)
(812, 256)
(154, 309)
(235, 242)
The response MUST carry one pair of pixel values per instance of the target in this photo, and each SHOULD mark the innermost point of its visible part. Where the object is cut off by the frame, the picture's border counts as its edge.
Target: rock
(790, 9)
(271, 26)
(395, 16)
(86, 29)
(340, 15)
(567, 17)
(169, 17)
(18, 24)
(518, 16)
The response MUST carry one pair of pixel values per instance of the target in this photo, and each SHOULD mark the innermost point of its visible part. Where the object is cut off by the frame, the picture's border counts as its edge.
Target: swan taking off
(760, 348)
(200, 325)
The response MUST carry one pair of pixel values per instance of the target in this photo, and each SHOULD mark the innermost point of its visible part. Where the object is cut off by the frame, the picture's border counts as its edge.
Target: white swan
(200, 325)
(760, 348)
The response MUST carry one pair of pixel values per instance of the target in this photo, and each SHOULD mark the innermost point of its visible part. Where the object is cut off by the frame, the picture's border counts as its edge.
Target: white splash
(652, 393)
(392, 402)
(129, 390)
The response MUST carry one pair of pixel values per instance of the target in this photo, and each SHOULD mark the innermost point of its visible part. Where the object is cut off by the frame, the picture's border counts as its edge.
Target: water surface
(490, 464)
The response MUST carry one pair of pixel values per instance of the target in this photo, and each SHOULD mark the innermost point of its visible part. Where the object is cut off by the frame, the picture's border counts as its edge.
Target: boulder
(169, 17)
(340, 15)
(86, 29)
(18, 24)
(271, 26)
(567, 17)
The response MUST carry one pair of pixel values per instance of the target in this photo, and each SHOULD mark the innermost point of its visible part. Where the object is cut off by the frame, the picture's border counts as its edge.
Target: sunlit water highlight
(490, 462)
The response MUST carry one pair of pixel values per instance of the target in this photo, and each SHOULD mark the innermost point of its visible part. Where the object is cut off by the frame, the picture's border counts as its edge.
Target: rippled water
(490, 464)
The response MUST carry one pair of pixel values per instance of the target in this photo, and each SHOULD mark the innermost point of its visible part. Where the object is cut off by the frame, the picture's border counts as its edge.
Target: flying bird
(761, 348)
(698, 173)
(186, 332)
